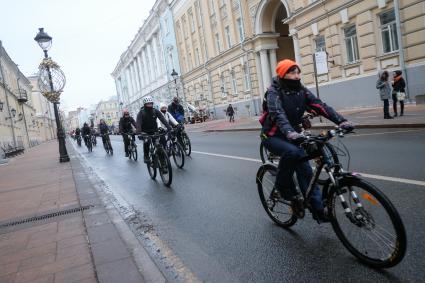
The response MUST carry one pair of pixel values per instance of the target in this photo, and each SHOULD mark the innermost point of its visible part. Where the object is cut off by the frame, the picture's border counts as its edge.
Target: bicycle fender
(263, 168)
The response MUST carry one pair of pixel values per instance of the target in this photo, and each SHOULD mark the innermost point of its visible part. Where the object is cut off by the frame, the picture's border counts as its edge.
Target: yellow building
(108, 111)
(228, 50)
(17, 110)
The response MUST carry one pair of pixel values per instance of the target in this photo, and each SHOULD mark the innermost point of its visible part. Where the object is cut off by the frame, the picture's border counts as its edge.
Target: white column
(265, 69)
(158, 52)
(259, 77)
(128, 80)
(147, 65)
(273, 61)
(297, 50)
(152, 61)
(141, 71)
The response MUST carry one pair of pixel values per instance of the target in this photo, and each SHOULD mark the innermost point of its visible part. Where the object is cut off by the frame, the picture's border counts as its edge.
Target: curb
(328, 127)
(116, 252)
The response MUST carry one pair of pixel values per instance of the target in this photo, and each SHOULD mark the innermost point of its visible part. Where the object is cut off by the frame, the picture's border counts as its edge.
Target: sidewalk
(54, 227)
(362, 117)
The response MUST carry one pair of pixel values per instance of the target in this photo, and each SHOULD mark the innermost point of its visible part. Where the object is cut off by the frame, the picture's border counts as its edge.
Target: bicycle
(78, 140)
(88, 142)
(356, 213)
(158, 158)
(184, 140)
(174, 148)
(107, 144)
(93, 140)
(132, 147)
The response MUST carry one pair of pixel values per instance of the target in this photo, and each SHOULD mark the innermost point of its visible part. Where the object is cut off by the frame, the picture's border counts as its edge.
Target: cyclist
(147, 122)
(287, 100)
(86, 131)
(176, 109)
(126, 127)
(104, 131)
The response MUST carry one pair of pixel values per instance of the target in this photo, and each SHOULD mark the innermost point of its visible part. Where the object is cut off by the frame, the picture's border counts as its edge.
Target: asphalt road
(212, 225)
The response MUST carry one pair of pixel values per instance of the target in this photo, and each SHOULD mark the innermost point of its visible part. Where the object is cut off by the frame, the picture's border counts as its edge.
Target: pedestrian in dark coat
(398, 92)
(231, 113)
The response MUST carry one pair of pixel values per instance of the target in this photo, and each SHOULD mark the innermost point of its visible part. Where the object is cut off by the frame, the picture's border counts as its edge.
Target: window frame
(393, 42)
(228, 36)
(234, 82)
(354, 44)
(316, 39)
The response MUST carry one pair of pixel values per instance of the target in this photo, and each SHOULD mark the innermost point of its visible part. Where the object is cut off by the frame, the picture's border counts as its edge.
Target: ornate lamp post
(175, 75)
(51, 81)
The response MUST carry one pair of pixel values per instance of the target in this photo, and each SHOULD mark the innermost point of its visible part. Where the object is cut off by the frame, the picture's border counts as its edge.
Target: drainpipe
(400, 45)
(7, 97)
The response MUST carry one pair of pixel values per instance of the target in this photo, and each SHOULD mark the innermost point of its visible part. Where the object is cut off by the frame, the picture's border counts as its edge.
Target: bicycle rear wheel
(187, 147)
(164, 167)
(279, 210)
(375, 234)
(134, 152)
(178, 154)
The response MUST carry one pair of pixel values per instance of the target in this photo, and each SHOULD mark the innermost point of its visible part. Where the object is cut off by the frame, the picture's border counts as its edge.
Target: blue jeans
(291, 161)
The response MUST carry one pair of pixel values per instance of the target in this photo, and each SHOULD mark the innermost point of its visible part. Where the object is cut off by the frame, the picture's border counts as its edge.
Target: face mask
(164, 111)
(291, 84)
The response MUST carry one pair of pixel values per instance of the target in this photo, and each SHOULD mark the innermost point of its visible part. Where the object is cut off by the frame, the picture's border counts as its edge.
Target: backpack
(269, 127)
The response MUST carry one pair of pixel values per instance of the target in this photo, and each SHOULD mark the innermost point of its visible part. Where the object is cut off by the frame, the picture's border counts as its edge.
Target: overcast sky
(88, 38)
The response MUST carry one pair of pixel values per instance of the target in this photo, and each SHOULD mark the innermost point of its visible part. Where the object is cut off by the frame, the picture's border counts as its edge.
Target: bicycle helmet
(147, 99)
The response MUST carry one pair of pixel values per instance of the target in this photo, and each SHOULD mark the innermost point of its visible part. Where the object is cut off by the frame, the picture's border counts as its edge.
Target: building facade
(145, 67)
(228, 49)
(44, 120)
(17, 112)
(109, 112)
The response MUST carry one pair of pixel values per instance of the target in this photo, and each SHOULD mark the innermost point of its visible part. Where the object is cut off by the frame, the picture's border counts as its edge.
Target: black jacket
(230, 111)
(146, 120)
(86, 130)
(103, 129)
(399, 85)
(78, 132)
(286, 108)
(125, 124)
(176, 110)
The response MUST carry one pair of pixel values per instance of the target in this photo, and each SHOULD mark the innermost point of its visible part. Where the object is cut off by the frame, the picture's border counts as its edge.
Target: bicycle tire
(375, 197)
(266, 201)
(265, 155)
(187, 146)
(177, 150)
(134, 153)
(164, 167)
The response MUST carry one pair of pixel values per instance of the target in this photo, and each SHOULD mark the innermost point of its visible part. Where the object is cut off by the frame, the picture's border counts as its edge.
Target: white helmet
(162, 105)
(147, 99)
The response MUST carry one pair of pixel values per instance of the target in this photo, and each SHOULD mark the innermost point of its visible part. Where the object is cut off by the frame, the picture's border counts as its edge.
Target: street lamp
(51, 81)
(175, 75)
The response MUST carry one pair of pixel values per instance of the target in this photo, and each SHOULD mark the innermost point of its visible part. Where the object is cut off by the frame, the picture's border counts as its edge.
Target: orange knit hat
(283, 67)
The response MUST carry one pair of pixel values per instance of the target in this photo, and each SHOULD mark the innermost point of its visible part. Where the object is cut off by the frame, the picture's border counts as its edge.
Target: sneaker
(297, 205)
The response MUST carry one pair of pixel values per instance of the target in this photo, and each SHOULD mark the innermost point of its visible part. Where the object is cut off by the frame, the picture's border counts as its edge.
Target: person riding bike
(147, 122)
(86, 131)
(104, 131)
(125, 125)
(286, 101)
(176, 109)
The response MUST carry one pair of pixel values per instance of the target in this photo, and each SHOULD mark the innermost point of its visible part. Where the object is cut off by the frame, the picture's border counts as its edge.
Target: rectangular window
(184, 27)
(240, 29)
(228, 38)
(189, 60)
(351, 44)
(223, 86)
(223, 11)
(320, 43)
(217, 42)
(212, 7)
(198, 12)
(234, 83)
(389, 32)
(247, 79)
(197, 58)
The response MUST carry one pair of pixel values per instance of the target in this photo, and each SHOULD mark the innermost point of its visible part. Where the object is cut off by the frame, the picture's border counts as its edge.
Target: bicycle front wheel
(178, 154)
(279, 210)
(186, 144)
(134, 153)
(374, 231)
(164, 167)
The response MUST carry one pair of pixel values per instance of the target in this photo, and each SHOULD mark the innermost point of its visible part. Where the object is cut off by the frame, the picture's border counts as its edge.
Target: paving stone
(108, 251)
(123, 271)
(76, 274)
(36, 261)
(97, 219)
(102, 233)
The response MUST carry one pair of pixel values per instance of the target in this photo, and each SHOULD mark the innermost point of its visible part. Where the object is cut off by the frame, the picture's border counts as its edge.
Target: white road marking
(371, 176)
(384, 133)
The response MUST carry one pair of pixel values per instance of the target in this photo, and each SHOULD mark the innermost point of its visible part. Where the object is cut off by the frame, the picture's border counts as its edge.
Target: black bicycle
(158, 158)
(184, 140)
(78, 137)
(93, 140)
(88, 142)
(132, 147)
(174, 148)
(107, 144)
(363, 218)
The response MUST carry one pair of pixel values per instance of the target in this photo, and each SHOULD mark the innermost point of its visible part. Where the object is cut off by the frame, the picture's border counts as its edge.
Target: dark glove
(295, 137)
(347, 126)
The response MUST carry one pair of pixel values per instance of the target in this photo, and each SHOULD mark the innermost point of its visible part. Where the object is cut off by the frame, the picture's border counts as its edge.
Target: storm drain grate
(45, 216)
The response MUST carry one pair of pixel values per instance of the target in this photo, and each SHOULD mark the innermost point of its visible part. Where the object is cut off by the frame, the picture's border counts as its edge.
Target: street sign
(321, 62)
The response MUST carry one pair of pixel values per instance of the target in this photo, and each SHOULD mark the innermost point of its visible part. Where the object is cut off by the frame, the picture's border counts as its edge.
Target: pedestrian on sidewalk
(231, 113)
(398, 92)
(384, 91)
